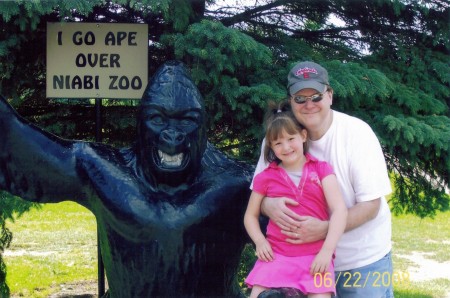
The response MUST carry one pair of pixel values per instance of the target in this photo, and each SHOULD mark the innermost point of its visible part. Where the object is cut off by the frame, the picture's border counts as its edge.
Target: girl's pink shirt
(274, 181)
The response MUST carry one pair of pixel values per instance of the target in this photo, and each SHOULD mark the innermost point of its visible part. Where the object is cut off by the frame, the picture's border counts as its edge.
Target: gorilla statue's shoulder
(103, 152)
(217, 161)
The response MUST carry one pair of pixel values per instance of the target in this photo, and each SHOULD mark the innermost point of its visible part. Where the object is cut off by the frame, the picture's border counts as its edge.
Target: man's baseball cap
(307, 75)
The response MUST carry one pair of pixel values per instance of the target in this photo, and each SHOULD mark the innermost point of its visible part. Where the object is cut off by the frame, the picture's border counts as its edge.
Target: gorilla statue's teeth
(170, 160)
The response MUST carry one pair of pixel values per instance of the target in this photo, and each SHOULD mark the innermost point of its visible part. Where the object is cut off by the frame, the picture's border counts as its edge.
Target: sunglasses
(302, 99)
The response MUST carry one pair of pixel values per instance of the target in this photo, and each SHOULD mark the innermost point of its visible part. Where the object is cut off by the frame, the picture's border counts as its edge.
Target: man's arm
(361, 213)
(302, 229)
(35, 164)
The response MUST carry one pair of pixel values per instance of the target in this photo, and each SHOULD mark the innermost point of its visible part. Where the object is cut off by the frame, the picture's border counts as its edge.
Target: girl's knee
(321, 295)
(256, 290)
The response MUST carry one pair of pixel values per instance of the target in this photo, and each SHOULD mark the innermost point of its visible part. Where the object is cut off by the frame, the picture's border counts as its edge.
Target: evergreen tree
(388, 62)
(387, 59)
(10, 208)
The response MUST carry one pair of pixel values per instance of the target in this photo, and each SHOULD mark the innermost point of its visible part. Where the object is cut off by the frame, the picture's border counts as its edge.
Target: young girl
(295, 174)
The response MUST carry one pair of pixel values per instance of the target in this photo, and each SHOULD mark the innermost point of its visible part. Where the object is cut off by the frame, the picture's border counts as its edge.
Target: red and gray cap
(307, 75)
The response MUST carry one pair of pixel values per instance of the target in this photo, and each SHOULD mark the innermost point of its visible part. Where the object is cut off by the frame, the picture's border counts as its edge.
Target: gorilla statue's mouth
(171, 162)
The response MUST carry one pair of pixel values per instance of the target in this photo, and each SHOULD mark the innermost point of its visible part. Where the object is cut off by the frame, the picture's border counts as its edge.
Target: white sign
(104, 60)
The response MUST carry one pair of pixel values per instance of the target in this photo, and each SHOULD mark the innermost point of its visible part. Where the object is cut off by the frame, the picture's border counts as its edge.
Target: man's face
(313, 115)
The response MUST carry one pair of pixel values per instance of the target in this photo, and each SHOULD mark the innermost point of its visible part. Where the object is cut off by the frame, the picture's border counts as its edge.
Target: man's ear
(304, 134)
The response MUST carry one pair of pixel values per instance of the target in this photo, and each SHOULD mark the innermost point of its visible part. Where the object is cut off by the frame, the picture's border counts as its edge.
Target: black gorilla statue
(169, 210)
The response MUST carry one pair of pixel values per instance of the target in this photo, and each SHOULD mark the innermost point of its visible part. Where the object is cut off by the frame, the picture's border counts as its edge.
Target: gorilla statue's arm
(35, 164)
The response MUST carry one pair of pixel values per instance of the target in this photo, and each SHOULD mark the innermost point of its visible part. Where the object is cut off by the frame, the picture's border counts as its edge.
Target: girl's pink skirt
(291, 272)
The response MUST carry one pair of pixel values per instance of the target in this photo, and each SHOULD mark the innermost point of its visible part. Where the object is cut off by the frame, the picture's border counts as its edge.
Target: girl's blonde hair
(280, 118)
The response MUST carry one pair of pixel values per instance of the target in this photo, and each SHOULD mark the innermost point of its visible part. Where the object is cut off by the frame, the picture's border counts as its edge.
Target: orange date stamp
(357, 279)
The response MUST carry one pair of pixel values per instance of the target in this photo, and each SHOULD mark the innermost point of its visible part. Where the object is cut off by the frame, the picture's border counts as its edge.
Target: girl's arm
(251, 222)
(336, 227)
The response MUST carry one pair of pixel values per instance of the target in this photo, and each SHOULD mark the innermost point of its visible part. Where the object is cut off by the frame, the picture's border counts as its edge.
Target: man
(169, 210)
(349, 144)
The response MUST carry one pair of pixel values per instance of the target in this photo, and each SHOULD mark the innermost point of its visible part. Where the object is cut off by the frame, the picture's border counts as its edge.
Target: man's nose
(309, 103)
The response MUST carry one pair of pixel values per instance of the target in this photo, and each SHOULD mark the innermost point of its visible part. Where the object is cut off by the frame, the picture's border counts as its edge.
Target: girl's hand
(264, 251)
(321, 262)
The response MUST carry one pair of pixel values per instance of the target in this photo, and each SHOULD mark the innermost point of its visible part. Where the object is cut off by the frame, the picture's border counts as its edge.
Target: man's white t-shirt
(352, 148)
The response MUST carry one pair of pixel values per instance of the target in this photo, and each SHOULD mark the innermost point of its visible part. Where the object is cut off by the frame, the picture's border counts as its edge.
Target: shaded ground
(87, 289)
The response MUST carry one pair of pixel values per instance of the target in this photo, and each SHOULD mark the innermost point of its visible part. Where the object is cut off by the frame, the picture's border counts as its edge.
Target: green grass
(52, 246)
(58, 243)
(410, 235)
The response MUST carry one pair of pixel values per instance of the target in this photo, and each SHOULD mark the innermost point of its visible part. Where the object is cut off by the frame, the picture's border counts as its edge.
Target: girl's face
(289, 149)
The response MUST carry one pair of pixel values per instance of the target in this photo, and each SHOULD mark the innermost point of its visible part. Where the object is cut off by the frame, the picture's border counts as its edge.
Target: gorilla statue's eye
(188, 121)
(156, 119)
(190, 118)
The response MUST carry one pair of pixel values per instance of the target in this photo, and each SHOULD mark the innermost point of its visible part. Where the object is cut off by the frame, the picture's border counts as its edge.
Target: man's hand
(276, 209)
(299, 229)
(308, 229)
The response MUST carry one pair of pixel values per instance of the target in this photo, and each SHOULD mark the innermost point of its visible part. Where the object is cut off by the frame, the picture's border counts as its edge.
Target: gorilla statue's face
(171, 130)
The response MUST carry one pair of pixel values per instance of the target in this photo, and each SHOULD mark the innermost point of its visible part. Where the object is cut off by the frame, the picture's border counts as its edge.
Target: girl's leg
(321, 295)
(256, 290)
